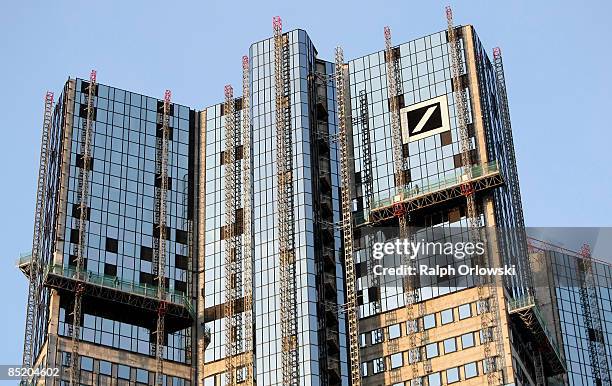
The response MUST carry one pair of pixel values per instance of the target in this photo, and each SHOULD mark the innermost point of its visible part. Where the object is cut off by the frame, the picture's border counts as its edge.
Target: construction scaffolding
(347, 223)
(159, 242)
(400, 211)
(35, 264)
(246, 362)
(285, 204)
(233, 239)
(367, 184)
(487, 287)
(80, 247)
(512, 173)
(592, 318)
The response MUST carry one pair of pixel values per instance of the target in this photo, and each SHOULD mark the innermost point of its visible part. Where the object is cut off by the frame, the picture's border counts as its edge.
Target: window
(465, 311)
(181, 236)
(482, 306)
(142, 376)
(178, 381)
(111, 245)
(489, 365)
(241, 374)
(471, 370)
(434, 379)
(412, 326)
(450, 345)
(414, 355)
(395, 331)
(105, 367)
(86, 363)
(362, 340)
(452, 375)
(66, 359)
(364, 369)
(377, 336)
(467, 340)
(429, 321)
(123, 372)
(486, 335)
(431, 350)
(210, 381)
(146, 253)
(446, 316)
(397, 360)
(378, 365)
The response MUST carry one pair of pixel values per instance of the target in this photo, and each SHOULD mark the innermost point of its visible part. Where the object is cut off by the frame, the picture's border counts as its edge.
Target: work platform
(23, 263)
(113, 296)
(526, 313)
(483, 178)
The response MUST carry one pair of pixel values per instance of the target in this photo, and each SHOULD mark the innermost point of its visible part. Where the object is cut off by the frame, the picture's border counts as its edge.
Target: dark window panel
(110, 269)
(112, 245)
(146, 253)
(181, 236)
(181, 261)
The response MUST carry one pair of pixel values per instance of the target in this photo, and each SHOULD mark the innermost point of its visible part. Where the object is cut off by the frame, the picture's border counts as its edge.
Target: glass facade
(95, 371)
(578, 338)
(266, 299)
(425, 74)
(125, 178)
(120, 227)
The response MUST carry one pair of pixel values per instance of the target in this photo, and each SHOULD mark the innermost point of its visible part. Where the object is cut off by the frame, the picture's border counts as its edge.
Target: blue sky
(556, 54)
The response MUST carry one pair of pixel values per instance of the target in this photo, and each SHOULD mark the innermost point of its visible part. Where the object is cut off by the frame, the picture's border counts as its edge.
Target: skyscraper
(574, 290)
(235, 244)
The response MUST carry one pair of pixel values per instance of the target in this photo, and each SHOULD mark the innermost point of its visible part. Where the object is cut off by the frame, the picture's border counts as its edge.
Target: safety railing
(24, 258)
(528, 301)
(118, 284)
(476, 171)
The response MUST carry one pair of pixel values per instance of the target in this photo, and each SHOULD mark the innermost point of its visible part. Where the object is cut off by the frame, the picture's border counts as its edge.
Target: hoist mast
(487, 300)
(83, 192)
(285, 204)
(347, 223)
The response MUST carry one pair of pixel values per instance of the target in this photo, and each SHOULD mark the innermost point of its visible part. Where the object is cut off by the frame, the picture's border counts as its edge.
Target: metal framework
(83, 189)
(246, 362)
(233, 239)
(34, 272)
(159, 253)
(286, 238)
(400, 211)
(511, 171)
(367, 183)
(120, 293)
(347, 224)
(489, 180)
(592, 318)
(488, 302)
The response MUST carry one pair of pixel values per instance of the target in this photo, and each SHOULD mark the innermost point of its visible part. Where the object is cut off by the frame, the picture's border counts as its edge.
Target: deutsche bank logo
(424, 119)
